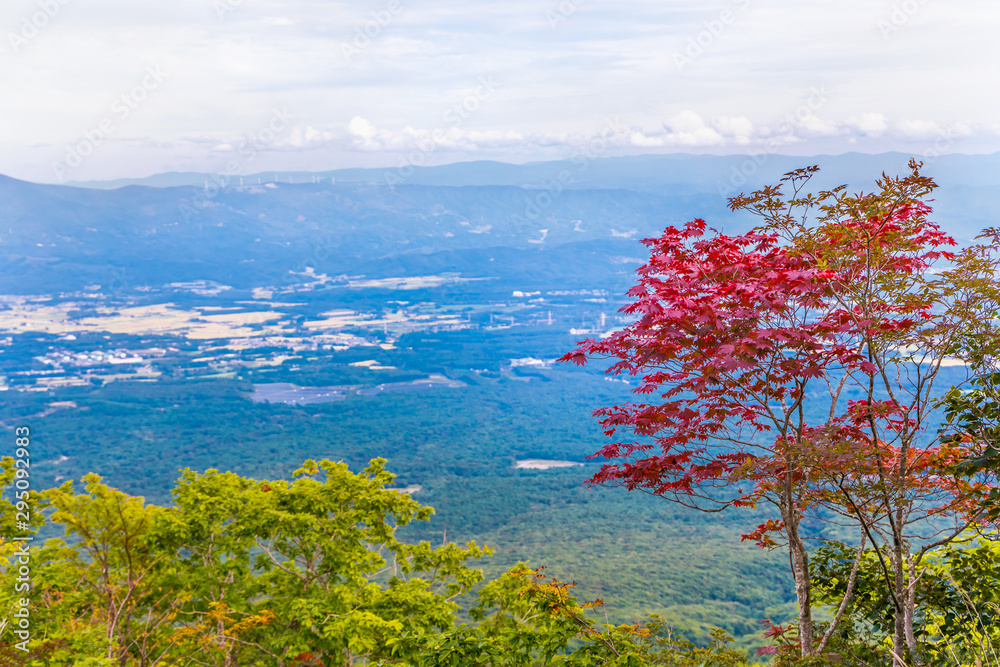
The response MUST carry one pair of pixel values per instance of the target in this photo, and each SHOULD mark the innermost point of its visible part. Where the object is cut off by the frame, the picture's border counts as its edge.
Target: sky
(104, 89)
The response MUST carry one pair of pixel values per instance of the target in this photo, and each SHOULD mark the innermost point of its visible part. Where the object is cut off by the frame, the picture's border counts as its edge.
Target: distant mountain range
(643, 172)
(574, 222)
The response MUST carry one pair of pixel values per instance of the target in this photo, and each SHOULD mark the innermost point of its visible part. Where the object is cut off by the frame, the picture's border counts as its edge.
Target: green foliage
(242, 571)
(103, 585)
(303, 572)
(973, 414)
(25, 502)
(958, 602)
(459, 445)
(526, 618)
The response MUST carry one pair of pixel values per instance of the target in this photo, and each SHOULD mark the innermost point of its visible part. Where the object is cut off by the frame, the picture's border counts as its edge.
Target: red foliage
(721, 336)
(730, 332)
(735, 335)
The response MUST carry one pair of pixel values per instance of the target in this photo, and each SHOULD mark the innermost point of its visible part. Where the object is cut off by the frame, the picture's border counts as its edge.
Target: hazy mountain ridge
(449, 218)
(637, 172)
(60, 238)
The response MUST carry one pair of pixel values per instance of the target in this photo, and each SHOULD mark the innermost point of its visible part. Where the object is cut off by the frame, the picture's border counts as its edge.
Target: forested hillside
(776, 432)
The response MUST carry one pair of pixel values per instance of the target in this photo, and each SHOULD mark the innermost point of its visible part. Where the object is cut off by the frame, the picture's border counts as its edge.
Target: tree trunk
(911, 604)
(899, 626)
(803, 587)
(800, 568)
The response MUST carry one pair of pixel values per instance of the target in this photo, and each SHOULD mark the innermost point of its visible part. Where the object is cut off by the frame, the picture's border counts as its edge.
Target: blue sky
(113, 88)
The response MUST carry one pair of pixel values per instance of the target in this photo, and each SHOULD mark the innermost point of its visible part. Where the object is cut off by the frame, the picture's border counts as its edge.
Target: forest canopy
(789, 372)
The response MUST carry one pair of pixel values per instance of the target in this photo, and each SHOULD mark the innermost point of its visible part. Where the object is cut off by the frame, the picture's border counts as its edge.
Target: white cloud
(740, 128)
(685, 129)
(362, 128)
(813, 126)
(637, 138)
(686, 122)
(681, 131)
(557, 86)
(871, 124)
(916, 129)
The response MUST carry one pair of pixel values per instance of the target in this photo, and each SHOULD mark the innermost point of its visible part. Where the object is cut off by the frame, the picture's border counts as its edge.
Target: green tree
(526, 619)
(13, 511)
(303, 572)
(958, 598)
(101, 591)
(329, 573)
(242, 571)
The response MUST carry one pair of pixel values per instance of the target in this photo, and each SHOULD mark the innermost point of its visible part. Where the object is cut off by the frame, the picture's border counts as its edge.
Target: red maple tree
(793, 366)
